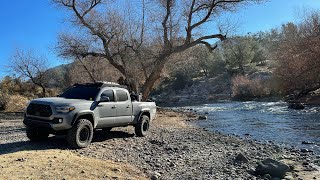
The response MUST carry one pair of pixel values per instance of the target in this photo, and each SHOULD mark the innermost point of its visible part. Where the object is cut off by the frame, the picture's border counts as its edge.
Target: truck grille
(39, 110)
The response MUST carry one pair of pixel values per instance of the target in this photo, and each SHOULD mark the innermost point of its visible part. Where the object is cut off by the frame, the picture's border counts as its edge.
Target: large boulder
(272, 167)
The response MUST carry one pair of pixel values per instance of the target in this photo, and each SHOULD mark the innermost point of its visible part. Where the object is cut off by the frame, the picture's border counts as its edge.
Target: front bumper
(50, 125)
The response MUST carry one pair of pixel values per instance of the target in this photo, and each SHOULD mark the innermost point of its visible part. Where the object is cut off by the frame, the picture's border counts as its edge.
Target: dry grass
(62, 164)
(15, 103)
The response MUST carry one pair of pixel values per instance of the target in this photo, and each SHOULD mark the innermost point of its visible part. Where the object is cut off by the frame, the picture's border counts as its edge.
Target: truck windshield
(87, 93)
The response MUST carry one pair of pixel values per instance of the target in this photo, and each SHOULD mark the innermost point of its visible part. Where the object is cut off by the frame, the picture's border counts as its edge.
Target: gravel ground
(174, 149)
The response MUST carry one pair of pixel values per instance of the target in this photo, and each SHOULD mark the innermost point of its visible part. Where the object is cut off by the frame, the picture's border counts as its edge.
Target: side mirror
(104, 99)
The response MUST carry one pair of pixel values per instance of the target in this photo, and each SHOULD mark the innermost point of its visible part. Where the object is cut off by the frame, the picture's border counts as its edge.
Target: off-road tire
(80, 135)
(34, 134)
(142, 128)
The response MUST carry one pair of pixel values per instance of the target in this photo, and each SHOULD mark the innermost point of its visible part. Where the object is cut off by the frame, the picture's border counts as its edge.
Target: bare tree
(177, 29)
(91, 69)
(30, 66)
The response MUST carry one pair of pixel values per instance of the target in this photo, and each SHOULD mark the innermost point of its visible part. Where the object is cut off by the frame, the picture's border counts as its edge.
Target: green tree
(242, 54)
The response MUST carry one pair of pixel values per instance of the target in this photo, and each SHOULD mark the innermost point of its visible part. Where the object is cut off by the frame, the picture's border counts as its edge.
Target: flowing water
(265, 121)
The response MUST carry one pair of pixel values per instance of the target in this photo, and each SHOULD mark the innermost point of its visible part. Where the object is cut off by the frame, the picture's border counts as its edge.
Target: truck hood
(59, 101)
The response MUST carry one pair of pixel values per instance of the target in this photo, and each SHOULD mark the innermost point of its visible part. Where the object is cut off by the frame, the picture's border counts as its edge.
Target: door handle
(113, 107)
(100, 105)
(128, 106)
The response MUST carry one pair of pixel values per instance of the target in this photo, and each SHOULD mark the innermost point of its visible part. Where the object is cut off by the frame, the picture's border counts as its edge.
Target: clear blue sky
(35, 24)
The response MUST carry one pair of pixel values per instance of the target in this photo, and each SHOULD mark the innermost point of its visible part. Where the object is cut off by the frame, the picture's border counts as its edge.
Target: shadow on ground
(58, 142)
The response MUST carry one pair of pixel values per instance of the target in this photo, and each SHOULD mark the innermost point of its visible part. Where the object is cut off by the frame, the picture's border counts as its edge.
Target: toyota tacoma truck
(85, 107)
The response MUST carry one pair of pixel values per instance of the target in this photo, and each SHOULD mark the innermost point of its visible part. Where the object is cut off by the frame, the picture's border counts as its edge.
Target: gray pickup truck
(85, 107)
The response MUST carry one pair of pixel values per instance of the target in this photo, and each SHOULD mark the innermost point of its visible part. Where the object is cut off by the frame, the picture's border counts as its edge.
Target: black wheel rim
(84, 134)
(145, 126)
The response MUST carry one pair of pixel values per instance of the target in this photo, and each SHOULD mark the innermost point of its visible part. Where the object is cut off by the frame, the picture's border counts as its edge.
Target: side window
(122, 95)
(108, 93)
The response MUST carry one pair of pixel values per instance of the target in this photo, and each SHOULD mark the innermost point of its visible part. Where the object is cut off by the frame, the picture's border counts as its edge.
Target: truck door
(107, 109)
(124, 108)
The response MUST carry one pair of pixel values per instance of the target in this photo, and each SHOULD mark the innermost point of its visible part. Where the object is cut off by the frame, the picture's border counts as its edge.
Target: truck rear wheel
(142, 128)
(34, 134)
(81, 133)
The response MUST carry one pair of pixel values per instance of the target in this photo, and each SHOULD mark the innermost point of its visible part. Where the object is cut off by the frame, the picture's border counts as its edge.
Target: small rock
(267, 176)
(116, 170)
(21, 159)
(202, 118)
(206, 112)
(241, 158)
(307, 142)
(155, 176)
(306, 150)
(172, 164)
(305, 163)
(291, 167)
(83, 171)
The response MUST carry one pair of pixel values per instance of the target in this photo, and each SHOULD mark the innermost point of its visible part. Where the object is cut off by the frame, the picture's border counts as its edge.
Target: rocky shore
(175, 149)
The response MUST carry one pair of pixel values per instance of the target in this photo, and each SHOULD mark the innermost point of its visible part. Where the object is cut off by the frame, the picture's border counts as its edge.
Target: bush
(15, 103)
(3, 99)
(244, 88)
(181, 81)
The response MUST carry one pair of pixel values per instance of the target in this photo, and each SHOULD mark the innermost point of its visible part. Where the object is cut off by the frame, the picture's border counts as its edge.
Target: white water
(264, 121)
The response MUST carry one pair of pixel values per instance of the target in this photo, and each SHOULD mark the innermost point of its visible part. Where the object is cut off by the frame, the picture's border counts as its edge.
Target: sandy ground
(62, 164)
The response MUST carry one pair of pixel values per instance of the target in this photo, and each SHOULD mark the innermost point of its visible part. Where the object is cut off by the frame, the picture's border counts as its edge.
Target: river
(264, 121)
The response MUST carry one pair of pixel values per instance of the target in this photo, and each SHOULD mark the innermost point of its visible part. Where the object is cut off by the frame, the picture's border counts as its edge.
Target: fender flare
(77, 115)
(140, 114)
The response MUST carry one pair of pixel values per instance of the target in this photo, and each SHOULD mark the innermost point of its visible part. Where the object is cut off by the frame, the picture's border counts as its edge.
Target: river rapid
(264, 121)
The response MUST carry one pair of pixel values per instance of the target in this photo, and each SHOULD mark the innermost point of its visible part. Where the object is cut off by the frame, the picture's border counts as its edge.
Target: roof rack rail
(101, 84)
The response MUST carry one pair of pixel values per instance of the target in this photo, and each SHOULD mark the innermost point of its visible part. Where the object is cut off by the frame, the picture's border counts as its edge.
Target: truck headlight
(65, 109)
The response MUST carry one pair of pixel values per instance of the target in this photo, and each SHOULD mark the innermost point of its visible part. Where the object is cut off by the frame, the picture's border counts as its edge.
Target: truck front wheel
(34, 134)
(142, 128)
(81, 133)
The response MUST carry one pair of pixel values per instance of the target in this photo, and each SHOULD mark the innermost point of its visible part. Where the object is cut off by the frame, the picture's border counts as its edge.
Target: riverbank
(174, 149)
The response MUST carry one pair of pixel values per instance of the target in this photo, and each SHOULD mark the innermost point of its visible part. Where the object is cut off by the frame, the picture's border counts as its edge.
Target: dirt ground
(174, 149)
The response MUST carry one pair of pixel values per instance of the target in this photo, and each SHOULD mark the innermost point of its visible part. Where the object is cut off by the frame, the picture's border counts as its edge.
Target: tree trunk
(153, 77)
(43, 90)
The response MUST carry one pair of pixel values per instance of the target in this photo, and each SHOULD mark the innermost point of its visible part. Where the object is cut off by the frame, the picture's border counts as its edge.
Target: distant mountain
(58, 76)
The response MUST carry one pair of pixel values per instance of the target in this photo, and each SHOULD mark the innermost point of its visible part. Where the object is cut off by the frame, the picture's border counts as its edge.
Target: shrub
(244, 88)
(182, 80)
(15, 103)
(3, 99)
